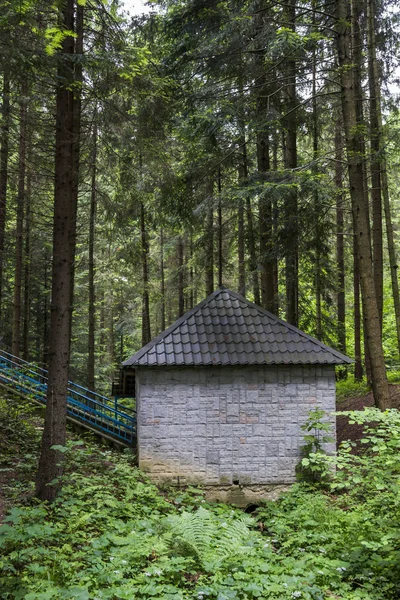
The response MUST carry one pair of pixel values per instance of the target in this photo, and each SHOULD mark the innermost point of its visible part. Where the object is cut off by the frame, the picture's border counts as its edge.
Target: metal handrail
(71, 384)
(44, 373)
(105, 415)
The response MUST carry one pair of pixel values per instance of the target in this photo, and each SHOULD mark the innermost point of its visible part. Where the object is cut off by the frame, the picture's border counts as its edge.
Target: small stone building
(222, 393)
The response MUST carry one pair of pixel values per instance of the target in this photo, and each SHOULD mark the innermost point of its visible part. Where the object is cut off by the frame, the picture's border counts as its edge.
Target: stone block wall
(224, 425)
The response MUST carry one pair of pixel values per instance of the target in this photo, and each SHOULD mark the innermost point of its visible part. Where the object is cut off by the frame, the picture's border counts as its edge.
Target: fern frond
(205, 537)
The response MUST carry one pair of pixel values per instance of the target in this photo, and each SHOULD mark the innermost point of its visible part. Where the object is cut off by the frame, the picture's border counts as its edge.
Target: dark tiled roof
(227, 329)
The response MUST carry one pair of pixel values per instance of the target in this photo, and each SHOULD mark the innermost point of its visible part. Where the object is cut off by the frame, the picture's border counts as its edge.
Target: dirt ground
(344, 431)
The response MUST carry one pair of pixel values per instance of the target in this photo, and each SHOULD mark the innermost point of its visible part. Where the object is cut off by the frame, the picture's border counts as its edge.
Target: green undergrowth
(111, 534)
(349, 388)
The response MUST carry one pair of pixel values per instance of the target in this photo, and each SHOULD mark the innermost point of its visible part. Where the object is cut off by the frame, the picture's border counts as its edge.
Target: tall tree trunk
(379, 164)
(317, 209)
(110, 327)
(92, 297)
(27, 259)
(357, 56)
(266, 229)
(220, 235)
(392, 249)
(162, 278)
(263, 161)
(341, 298)
(376, 196)
(102, 323)
(77, 108)
(291, 216)
(181, 296)
(209, 245)
(186, 276)
(252, 251)
(355, 159)
(275, 228)
(50, 463)
(46, 290)
(4, 152)
(193, 287)
(19, 244)
(358, 370)
(146, 332)
(242, 180)
(241, 257)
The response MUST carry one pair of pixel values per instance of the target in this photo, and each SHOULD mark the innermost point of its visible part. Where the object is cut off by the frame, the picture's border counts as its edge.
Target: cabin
(222, 394)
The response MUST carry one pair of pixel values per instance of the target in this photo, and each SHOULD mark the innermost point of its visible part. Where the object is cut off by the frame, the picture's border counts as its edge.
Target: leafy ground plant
(113, 535)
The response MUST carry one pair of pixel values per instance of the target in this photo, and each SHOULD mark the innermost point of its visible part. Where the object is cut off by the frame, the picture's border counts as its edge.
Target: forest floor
(112, 534)
(20, 432)
(345, 431)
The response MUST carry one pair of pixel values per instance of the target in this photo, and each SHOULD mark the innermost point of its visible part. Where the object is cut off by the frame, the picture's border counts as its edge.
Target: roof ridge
(231, 297)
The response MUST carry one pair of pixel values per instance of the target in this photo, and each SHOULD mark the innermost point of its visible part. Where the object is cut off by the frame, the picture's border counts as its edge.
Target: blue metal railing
(89, 408)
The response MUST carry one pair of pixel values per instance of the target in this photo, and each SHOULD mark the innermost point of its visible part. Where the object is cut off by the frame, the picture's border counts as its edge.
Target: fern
(206, 538)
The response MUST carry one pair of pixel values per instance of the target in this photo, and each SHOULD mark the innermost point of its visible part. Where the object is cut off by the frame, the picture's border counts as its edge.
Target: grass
(349, 388)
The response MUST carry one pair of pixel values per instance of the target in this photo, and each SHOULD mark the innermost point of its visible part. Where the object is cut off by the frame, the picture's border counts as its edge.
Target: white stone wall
(223, 425)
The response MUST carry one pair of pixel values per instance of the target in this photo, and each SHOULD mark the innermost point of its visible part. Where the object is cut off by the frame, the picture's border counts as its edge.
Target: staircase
(105, 417)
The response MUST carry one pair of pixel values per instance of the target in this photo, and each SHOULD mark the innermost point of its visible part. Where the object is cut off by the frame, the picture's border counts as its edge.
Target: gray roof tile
(227, 329)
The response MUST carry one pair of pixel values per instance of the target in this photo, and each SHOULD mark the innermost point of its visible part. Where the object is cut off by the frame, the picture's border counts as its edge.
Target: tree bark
(209, 245)
(291, 209)
(91, 265)
(340, 262)
(46, 303)
(358, 369)
(252, 251)
(146, 332)
(241, 251)
(266, 227)
(110, 328)
(275, 228)
(48, 480)
(379, 161)
(357, 57)
(375, 142)
(162, 278)
(19, 244)
(102, 323)
(220, 235)
(181, 296)
(392, 249)
(355, 160)
(77, 109)
(193, 288)
(317, 209)
(4, 153)
(27, 258)
(263, 162)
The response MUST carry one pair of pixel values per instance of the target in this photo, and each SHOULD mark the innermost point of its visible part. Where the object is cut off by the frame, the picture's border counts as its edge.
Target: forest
(145, 161)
